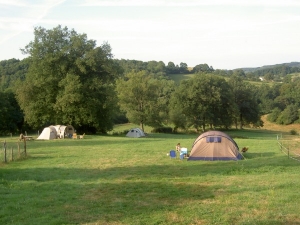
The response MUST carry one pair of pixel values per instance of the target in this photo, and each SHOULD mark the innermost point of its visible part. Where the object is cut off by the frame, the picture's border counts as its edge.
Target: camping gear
(173, 154)
(183, 153)
(135, 132)
(214, 145)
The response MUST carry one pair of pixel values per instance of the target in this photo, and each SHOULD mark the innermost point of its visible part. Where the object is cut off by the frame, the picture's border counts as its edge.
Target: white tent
(57, 131)
(135, 132)
(48, 133)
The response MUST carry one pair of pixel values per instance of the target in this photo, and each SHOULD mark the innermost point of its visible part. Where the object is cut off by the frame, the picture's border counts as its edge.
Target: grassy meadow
(117, 180)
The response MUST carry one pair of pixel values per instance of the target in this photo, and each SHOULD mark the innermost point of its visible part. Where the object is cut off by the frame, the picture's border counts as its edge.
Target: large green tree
(246, 102)
(69, 81)
(203, 100)
(11, 117)
(145, 98)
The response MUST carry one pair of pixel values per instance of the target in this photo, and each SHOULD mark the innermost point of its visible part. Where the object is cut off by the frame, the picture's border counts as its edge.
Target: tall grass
(119, 180)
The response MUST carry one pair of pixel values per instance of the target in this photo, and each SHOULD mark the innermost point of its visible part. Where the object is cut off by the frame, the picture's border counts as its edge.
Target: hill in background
(291, 64)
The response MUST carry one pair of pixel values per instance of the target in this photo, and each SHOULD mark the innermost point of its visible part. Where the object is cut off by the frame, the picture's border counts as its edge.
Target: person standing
(178, 147)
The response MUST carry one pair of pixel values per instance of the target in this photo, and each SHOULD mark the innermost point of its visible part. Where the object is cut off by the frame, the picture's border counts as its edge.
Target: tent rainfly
(135, 132)
(214, 145)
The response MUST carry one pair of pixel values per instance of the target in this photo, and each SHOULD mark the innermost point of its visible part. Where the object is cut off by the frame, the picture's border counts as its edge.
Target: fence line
(290, 154)
(9, 153)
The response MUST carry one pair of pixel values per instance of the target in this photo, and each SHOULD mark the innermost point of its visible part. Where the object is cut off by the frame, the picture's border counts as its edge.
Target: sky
(225, 34)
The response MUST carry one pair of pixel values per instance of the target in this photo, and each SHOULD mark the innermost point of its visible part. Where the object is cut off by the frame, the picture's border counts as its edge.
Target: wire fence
(289, 147)
(13, 151)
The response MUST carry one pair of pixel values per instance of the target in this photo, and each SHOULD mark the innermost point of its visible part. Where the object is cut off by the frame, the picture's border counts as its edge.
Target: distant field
(179, 77)
(116, 180)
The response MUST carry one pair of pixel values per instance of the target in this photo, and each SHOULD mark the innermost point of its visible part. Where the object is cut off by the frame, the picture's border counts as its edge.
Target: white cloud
(27, 16)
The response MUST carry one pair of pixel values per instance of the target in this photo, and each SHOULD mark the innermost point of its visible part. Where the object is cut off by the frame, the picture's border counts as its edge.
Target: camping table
(29, 138)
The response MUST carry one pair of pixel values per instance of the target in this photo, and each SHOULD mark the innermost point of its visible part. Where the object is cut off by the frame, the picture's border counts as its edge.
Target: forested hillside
(74, 81)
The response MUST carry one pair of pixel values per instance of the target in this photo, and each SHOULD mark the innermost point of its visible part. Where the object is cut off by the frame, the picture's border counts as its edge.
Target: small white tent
(48, 133)
(135, 132)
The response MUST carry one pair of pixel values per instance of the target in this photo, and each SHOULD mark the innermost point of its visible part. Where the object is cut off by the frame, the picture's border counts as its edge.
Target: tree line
(68, 79)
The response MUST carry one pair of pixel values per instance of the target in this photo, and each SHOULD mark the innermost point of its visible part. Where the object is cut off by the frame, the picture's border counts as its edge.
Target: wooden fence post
(4, 146)
(25, 147)
(18, 143)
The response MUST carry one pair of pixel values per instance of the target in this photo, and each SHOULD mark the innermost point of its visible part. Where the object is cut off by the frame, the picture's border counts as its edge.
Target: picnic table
(28, 138)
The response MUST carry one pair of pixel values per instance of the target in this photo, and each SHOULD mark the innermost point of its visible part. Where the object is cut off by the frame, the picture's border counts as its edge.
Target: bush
(120, 132)
(293, 132)
(168, 130)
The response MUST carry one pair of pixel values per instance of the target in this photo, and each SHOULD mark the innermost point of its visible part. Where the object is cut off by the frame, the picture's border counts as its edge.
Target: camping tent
(64, 131)
(48, 133)
(57, 131)
(214, 145)
(135, 132)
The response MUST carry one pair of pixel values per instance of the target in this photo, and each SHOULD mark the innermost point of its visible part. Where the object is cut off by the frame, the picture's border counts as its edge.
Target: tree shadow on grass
(79, 196)
(252, 155)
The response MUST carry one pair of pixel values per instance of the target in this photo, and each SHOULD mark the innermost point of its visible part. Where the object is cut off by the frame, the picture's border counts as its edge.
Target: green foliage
(246, 109)
(69, 81)
(144, 98)
(202, 100)
(202, 68)
(11, 71)
(272, 117)
(289, 115)
(167, 130)
(266, 95)
(293, 132)
(11, 117)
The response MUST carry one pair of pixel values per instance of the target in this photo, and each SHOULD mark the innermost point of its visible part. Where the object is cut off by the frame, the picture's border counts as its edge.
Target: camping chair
(74, 136)
(173, 154)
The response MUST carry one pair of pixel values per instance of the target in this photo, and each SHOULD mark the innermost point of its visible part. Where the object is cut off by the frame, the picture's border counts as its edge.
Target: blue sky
(225, 34)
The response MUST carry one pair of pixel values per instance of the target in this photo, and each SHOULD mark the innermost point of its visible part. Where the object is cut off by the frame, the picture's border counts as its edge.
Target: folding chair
(173, 154)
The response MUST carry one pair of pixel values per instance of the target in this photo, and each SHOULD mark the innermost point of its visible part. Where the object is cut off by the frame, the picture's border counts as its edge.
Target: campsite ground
(118, 180)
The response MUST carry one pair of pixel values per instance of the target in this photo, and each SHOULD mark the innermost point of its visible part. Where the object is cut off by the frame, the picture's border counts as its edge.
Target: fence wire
(291, 151)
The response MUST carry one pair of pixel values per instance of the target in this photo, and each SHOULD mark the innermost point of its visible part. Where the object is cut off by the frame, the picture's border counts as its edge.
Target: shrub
(162, 130)
(293, 132)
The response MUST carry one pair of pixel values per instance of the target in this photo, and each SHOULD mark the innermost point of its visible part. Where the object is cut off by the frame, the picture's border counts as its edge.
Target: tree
(202, 100)
(272, 117)
(144, 98)
(269, 76)
(246, 103)
(239, 73)
(289, 115)
(69, 81)
(266, 95)
(10, 71)
(171, 68)
(11, 117)
(202, 68)
(183, 68)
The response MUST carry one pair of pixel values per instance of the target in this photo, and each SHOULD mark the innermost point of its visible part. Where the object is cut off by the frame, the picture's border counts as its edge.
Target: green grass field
(119, 180)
